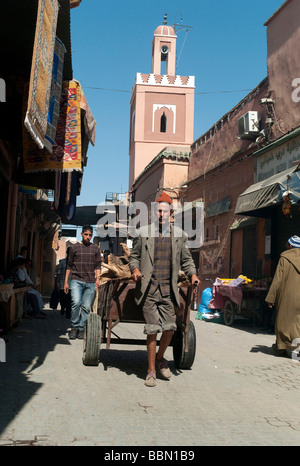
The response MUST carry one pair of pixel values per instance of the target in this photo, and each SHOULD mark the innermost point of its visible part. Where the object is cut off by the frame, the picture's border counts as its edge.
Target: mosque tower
(161, 105)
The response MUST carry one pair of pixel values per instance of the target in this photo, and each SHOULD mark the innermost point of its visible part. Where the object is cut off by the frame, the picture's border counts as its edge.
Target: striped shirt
(83, 260)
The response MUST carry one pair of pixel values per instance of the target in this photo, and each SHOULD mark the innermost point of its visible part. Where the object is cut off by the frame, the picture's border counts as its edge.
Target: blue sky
(225, 48)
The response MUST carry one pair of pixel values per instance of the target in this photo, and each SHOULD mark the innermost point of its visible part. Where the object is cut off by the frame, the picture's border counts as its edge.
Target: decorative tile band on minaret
(165, 80)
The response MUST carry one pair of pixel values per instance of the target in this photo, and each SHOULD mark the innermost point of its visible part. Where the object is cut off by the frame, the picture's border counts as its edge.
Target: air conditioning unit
(249, 125)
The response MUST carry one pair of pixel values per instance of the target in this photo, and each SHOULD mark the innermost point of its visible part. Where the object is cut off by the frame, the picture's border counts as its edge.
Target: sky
(223, 43)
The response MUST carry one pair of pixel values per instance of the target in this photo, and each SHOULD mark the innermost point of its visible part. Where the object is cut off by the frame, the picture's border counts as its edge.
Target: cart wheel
(92, 340)
(229, 312)
(182, 359)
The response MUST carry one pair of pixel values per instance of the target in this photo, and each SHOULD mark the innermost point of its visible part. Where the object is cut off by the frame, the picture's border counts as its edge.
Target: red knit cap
(164, 197)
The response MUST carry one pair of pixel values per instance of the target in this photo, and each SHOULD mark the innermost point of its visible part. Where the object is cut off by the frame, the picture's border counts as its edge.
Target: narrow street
(237, 392)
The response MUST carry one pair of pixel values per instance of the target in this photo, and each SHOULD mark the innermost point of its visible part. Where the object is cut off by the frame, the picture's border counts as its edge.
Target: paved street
(237, 392)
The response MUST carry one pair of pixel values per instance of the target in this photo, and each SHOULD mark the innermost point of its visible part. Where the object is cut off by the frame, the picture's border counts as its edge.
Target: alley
(237, 392)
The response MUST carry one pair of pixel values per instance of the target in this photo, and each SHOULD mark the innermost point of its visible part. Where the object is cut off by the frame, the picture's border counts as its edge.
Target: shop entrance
(282, 229)
(249, 252)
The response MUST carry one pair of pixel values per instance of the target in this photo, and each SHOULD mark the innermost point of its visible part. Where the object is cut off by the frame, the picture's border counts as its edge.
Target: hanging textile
(66, 152)
(67, 196)
(41, 71)
(55, 93)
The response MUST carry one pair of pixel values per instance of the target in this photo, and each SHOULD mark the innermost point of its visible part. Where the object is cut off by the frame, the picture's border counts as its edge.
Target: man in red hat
(159, 252)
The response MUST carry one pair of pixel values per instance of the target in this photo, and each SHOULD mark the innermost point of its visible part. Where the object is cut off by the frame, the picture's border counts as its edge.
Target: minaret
(161, 105)
(164, 50)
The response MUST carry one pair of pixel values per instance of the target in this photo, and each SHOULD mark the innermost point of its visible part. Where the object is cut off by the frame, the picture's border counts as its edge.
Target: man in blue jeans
(84, 263)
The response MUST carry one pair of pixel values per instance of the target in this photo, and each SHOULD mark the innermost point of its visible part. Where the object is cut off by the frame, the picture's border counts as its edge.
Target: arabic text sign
(278, 159)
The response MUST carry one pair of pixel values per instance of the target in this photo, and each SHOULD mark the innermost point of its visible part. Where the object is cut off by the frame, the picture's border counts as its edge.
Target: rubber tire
(229, 313)
(182, 359)
(92, 340)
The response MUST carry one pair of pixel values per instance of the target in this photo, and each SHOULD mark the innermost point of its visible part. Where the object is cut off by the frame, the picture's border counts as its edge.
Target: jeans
(82, 296)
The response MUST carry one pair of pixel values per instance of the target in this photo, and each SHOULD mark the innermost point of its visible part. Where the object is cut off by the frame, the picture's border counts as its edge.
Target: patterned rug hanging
(66, 152)
(36, 118)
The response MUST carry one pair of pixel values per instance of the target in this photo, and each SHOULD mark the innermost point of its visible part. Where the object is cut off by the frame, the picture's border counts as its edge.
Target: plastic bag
(204, 303)
(216, 317)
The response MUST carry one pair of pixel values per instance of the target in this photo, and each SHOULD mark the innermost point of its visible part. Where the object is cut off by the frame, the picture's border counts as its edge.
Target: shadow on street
(27, 346)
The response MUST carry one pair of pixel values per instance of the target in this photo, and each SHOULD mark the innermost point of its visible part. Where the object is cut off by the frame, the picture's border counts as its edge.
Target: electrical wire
(105, 89)
(196, 93)
(223, 92)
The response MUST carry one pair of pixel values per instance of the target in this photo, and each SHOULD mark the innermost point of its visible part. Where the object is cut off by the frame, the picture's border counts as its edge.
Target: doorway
(249, 252)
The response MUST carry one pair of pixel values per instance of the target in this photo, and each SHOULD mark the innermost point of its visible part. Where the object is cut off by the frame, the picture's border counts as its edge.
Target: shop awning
(259, 197)
(87, 215)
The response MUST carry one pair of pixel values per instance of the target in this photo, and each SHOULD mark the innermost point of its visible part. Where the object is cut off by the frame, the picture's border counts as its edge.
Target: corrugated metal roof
(85, 215)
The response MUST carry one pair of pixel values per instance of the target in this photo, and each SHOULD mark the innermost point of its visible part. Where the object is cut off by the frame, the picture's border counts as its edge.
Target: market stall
(240, 297)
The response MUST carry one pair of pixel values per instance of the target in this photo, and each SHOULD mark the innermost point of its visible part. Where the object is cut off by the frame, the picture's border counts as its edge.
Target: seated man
(22, 275)
(23, 252)
(31, 306)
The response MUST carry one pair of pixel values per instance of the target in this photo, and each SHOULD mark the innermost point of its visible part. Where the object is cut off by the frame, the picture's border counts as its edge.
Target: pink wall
(221, 183)
(147, 106)
(224, 143)
(165, 173)
(283, 39)
(221, 167)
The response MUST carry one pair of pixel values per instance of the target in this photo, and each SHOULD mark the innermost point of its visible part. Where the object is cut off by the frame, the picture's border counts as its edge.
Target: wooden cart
(114, 303)
(240, 301)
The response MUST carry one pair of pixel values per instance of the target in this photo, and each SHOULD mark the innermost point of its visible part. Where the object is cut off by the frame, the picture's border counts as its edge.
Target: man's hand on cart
(137, 275)
(195, 280)
(195, 283)
(97, 283)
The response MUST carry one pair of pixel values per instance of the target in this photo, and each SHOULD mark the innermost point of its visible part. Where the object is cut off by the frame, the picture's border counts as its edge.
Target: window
(207, 235)
(217, 233)
(163, 123)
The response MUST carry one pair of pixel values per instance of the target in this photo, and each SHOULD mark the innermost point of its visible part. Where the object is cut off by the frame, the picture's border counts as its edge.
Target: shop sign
(278, 159)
